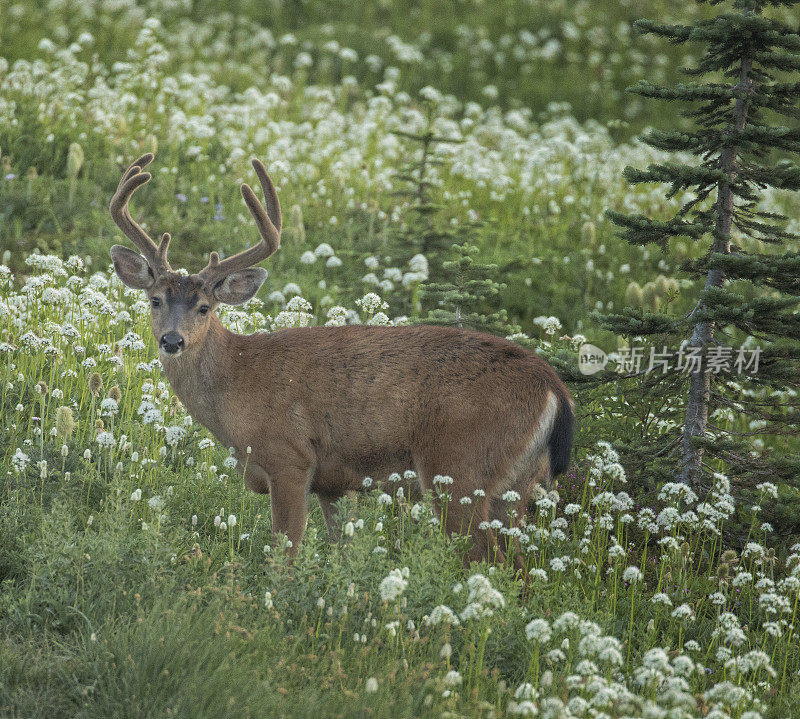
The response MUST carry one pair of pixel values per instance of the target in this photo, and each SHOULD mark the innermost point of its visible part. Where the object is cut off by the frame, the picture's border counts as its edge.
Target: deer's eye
(155, 301)
(204, 309)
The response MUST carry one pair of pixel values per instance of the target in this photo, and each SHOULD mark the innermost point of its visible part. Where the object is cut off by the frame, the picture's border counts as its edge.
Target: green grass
(129, 590)
(123, 589)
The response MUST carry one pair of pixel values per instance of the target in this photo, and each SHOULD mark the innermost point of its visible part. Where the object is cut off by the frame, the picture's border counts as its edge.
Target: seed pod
(115, 393)
(298, 233)
(74, 159)
(95, 383)
(65, 422)
(633, 295)
(650, 296)
(588, 234)
(98, 425)
(42, 388)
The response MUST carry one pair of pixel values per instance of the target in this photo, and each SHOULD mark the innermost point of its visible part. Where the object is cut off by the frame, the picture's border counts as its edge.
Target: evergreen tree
(419, 233)
(466, 293)
(743, 92)
(458, 290)
(422, 235)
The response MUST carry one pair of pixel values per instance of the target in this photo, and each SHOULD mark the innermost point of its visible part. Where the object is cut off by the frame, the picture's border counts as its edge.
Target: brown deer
(320, 408)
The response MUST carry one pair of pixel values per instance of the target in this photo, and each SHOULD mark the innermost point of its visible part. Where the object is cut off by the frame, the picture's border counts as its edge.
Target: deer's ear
(132, 268)
(240, 286)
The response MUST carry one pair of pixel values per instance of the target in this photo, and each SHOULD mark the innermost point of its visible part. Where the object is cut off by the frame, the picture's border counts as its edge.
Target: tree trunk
(696, 419)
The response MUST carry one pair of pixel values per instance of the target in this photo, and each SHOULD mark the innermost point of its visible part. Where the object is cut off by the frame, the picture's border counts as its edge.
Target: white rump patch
(526, 463)
(545, 427)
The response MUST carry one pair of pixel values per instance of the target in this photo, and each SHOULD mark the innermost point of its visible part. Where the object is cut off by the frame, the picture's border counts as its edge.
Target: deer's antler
(269, 226)
(132, 179)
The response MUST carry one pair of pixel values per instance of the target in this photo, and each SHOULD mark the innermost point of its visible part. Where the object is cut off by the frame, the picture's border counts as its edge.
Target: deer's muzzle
(171, 343)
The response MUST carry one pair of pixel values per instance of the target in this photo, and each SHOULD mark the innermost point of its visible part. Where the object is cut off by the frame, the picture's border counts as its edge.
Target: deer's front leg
(289, 499)
(329, 512)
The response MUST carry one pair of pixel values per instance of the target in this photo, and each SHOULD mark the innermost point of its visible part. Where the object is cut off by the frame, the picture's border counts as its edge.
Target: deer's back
(398, 380)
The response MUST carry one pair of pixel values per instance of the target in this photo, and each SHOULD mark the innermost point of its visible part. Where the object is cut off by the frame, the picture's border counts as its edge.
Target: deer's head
(181, 306)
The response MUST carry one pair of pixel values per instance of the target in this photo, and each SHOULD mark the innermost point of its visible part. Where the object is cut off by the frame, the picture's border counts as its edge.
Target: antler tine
(269, 227)
(135, 167)
(161, 252)
(132, 179)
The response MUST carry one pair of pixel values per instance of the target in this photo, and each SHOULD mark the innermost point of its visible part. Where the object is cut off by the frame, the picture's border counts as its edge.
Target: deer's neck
(202, 377)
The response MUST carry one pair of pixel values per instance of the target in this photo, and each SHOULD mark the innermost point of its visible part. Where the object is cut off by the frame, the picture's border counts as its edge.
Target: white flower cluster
(394, 584)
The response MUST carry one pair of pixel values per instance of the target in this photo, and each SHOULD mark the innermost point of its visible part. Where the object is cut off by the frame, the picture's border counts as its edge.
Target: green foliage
(451, 287)
(127, 589)
(731, 153)
(519, 54)
(139, 576)
(467, 292)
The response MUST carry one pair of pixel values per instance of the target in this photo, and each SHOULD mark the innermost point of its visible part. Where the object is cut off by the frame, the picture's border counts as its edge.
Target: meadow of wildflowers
(138, 576)
(136, 567)
(72, 114)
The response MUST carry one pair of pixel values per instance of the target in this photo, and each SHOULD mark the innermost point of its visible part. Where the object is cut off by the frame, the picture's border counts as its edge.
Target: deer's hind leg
(534, 478)
(509, 514)
(464, 511)
(513, 513)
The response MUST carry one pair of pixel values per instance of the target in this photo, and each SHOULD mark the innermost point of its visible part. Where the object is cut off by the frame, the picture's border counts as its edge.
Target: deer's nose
(171, 342)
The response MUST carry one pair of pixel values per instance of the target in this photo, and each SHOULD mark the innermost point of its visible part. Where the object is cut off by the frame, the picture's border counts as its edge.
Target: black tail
(561, 438)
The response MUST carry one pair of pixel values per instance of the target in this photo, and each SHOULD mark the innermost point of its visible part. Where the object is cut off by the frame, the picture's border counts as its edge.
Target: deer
(317, 409)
